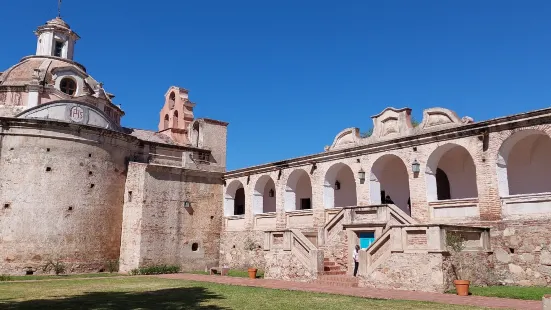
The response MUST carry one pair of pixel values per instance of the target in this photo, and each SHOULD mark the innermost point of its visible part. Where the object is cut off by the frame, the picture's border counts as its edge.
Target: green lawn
(68, 276)
(155, 293)
(235, 273)
(515, 292)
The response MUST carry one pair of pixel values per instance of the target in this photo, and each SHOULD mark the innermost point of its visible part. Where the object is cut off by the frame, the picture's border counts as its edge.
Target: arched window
(175, 120)
(172, 100)
(442, 185)
(298, 193)
(166, 123)
(264, 199)
(524, 163)
(451, 174)
(339, 188)
(234, 201)
(389, 182)
(68, 86)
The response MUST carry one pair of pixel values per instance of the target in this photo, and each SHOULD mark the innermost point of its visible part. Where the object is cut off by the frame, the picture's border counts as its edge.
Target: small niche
(129, 196)
(70, 208)
(90, 173)
(358, 160)
(195, 247)
(48, 149)
(92, 185)
(90, 155)
(212, 217)
(11, 148)
(29, 273)
(7, 206)
(48, 169)
(512, 251)
(415, 149)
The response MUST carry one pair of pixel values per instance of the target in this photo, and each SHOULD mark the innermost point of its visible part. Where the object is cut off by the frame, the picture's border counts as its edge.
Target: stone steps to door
(337, 280)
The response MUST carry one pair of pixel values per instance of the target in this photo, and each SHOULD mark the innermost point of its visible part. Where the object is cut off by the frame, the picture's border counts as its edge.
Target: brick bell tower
(176, 115)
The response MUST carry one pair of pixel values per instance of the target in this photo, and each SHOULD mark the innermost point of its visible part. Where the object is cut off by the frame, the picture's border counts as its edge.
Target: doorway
(366, 239)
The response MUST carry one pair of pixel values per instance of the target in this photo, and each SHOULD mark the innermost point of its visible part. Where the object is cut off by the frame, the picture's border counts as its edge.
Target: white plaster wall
(461, 172)
(346, 196)
(529, 166)
(269, 203)
(303, 190)
(393, 178)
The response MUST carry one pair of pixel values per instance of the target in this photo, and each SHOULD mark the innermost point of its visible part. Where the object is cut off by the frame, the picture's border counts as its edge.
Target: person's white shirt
(355, 255)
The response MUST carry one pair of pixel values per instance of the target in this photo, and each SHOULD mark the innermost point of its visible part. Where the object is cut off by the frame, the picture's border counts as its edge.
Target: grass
(515, 292)
(235, 273)
(156, 293)
(67, 276)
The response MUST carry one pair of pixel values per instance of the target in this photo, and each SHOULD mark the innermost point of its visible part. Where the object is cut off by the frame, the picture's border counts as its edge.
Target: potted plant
(456, 244)
(250, 245)
(252, 273)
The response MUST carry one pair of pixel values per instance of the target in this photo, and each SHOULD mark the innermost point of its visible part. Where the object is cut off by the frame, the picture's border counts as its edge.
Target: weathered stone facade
(78, 188)
(496, 174)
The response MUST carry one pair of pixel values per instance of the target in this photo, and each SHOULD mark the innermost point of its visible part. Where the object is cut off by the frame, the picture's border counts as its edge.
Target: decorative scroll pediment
(439, 117)
(346, 138)
(72, 112)
(392, 123)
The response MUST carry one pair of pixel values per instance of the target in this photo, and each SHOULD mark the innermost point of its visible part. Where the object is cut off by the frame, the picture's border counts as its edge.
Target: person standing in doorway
(356, 257)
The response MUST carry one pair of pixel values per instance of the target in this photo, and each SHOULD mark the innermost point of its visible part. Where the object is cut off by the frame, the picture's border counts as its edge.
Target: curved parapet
(392, 123)
(346, 138)
(441, 118)
(71, 111)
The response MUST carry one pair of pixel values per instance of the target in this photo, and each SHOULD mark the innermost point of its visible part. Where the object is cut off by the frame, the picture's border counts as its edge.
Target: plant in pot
(251, 246)
(456, 243)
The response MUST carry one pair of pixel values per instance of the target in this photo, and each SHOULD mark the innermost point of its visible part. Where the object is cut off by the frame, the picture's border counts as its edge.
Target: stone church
(77, 186)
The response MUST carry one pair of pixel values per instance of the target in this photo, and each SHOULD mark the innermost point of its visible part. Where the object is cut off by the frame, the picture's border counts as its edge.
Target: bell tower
(55, 38)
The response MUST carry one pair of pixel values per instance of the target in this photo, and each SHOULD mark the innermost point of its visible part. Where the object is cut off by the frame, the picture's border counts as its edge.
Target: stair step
(327, 263)
(334, 272)
(335, 283)
(339, 278)
(332, 268)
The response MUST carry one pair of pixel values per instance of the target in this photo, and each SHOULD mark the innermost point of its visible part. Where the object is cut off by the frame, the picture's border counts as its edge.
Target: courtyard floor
(153, 292)
(475, 301)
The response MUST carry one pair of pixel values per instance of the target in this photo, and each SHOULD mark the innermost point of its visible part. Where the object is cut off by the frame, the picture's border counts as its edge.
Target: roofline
(401, 142)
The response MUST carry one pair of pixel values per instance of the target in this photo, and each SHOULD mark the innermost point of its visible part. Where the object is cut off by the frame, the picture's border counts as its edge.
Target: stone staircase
(332, 268)
(335, 275)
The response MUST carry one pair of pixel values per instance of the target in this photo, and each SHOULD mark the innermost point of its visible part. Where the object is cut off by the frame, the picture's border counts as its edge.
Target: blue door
(366, 239)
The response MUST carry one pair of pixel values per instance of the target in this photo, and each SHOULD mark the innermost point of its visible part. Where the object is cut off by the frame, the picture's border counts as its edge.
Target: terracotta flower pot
(225, 271)
(252, 273)
(462, 287)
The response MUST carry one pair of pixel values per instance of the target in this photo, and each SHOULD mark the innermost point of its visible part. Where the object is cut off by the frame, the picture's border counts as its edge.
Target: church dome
(22, 73)
(58, 22)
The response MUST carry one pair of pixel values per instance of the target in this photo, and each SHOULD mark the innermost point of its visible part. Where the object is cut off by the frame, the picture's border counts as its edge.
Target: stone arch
(457, 166)
(524, 163)
(175, 119)
(166, 121)
(339, 187)
(234, 199)
(172, 100)
(298, 191)
(389, 177)
(264, 196)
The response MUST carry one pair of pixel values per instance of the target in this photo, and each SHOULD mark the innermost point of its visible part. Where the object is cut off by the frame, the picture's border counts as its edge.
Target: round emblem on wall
(76, 114)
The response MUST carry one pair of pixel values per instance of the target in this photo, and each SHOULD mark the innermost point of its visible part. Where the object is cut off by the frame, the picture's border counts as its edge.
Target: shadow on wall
(175, 298)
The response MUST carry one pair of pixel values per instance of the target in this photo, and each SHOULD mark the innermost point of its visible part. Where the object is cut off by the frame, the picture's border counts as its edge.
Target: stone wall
(522, 252)
(61, 190)
(242, 249)
(419, 272)
(284, 265)
(158, 227)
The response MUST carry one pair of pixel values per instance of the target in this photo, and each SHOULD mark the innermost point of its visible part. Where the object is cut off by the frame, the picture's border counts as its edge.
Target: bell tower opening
(55, 38)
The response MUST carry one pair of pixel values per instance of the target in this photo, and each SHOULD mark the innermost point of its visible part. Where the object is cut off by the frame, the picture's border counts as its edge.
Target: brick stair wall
(335, 275)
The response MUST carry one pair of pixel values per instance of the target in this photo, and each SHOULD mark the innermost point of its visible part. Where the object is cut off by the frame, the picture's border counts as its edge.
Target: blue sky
(289, 75)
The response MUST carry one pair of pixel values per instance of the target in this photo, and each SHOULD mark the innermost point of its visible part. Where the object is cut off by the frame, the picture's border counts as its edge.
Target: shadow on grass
(176, 298)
